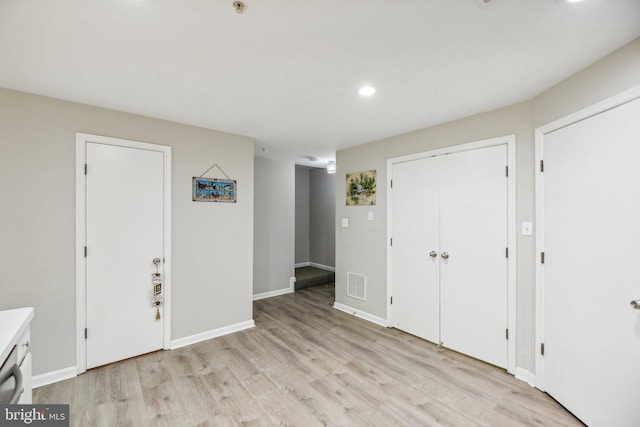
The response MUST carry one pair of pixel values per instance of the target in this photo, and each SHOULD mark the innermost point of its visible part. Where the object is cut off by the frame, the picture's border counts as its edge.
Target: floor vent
(357, 286)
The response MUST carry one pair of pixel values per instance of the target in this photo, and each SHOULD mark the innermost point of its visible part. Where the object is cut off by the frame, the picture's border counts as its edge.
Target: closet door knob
(433, 254)
(445, 255)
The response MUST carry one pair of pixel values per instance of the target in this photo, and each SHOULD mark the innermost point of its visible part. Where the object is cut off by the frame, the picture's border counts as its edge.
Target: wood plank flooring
(304, 364)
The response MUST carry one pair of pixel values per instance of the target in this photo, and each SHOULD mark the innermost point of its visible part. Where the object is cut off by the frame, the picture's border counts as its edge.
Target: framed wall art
(214, 190)
(361, 188)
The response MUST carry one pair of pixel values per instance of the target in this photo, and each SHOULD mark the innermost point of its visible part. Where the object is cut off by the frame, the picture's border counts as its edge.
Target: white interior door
(473, 242)
(449, 264)
(124, 233)
(416, 297)
(591, 271)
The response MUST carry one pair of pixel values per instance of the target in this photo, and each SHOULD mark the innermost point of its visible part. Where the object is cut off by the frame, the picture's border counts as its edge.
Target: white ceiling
(286, 72)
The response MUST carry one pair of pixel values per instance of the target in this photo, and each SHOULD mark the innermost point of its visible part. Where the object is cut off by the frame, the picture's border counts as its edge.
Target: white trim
(540, 132)
(81, 318)
(270, 294)
(510, 141)
(214, 333)
(361, 314)
(54, 376)
(313, 264)
(322, 267)
(526, 376)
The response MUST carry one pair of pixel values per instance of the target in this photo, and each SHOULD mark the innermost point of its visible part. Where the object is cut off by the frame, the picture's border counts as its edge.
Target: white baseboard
(316, 265)
(526, 376)
(270, 294)
(214, 333)
(322, 267)
(54, 376)
(361, 314)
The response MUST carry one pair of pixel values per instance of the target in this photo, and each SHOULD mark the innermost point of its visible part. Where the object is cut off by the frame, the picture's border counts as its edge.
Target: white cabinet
(24, 361)
(15, 333)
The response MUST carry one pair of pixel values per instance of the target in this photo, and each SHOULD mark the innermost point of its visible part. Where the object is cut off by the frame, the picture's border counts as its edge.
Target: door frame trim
(510, 142)
(81, 303)
(540, 132)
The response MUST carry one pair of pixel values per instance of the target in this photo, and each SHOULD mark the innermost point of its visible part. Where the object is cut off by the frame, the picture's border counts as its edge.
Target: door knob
(445, 255)
(157, 261)
(636, 304)
(433, 254)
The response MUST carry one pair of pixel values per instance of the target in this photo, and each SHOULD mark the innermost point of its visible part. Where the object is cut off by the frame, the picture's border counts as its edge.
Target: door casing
(510, 142)
(81, 318)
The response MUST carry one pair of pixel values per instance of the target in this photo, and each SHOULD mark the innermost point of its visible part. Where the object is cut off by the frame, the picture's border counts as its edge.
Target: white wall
(302, 214)
(322, 207)
(274, 225)
(212, 265)
(361, 248)
(315, 216)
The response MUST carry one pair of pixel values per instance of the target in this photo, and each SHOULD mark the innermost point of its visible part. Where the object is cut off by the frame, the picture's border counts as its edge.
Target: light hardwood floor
(304, 364)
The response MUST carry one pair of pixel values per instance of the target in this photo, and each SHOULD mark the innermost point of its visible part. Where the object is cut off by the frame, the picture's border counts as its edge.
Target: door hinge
(86, 333)
(541, 165)
(85, 168)
(391, 241)
(542, 257)
(506, 252)
(391, 183)
(506, 170)
(85, 251)
(506, 333)
(542, 349)
(391, 301)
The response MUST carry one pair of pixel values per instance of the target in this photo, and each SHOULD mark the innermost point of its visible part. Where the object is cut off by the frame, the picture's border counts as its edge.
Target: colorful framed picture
(361, 188)
(214, 190)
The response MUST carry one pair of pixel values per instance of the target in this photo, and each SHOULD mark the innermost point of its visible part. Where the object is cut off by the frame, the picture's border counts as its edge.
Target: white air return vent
(357, 286)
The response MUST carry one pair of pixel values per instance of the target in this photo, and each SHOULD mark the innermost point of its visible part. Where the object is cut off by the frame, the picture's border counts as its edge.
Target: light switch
(527, 228)
(345, 222)
(370, 216)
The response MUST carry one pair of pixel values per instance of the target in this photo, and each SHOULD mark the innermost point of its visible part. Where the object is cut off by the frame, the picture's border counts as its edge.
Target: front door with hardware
(124, 234)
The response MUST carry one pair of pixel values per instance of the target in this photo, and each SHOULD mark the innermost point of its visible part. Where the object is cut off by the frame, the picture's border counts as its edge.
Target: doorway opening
(315, 227)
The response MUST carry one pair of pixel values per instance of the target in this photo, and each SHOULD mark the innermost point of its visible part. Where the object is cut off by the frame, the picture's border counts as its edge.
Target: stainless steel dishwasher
(11, 386)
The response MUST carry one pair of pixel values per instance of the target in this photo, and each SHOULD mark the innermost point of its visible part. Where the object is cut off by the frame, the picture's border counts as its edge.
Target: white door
(473, 276)
(124, 233)
(415, 275)
(449, 265)
(591, 183)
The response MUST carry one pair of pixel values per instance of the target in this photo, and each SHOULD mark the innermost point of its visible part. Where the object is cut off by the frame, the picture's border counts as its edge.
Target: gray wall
(315, 216)
(322, 208)
(302, 214)
(361, 248)
(37, 233)
(274, 225)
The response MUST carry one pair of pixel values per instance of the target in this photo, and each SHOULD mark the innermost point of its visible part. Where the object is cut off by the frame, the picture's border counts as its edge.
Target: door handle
(445, 255)
(636, 304)
(433, 254)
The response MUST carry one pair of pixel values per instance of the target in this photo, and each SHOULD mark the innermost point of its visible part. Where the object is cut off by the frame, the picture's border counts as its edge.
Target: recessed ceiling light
(366, 90)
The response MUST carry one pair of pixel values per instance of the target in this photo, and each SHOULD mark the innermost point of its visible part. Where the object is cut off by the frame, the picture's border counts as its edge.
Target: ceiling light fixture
(366, 91)
(331, 167)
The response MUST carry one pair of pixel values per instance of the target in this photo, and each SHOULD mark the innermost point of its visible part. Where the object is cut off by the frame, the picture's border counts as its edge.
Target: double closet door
(449, 260)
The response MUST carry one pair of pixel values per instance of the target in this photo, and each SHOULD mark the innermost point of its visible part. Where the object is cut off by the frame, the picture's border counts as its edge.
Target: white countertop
(13, 323)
